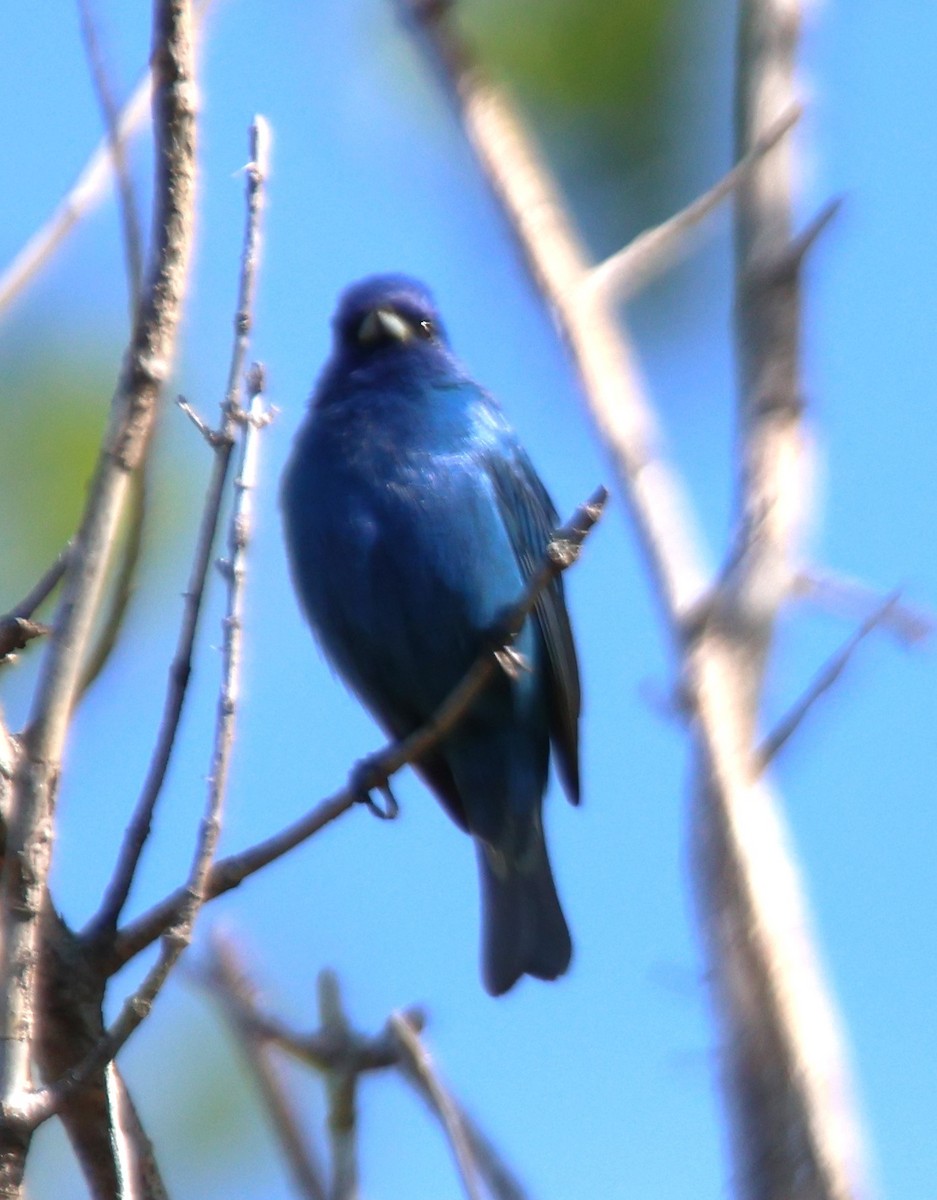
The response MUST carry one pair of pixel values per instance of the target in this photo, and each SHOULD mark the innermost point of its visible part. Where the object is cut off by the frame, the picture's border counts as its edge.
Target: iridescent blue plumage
(413, 517)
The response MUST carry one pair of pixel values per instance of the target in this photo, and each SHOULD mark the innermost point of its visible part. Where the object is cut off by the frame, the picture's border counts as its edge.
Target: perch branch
(229, 872)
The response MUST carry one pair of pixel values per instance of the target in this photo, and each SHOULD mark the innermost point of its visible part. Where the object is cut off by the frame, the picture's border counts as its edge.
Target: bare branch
(341, 1086)
(335, 1049)
(123, 586)
(133, 240)
(176, 939)
(612, 385)
(86, 192)
(227, 979)
(773, 491)
(375, 771)
(795, 1127)
(44, 587)
(747, 876)
(105, 922)
(651, 253)
(419, 1061)
(16, 633)
(827, 677)
(133, 409)
(853, 599)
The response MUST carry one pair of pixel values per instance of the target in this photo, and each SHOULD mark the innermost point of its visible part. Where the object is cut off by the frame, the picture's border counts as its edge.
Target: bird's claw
(368, 779)
(563, 552)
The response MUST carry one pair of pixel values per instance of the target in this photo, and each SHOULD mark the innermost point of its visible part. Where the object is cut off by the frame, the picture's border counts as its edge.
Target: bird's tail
(524, 930)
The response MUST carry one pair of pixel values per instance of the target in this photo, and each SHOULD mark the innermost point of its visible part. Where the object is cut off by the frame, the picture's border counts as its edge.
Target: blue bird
(413, 517)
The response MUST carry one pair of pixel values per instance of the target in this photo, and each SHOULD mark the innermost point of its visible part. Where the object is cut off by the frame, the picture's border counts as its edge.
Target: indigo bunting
(413, 517)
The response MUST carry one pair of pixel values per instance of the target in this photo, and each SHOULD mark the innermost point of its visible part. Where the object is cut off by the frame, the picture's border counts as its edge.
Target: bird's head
(387, 315)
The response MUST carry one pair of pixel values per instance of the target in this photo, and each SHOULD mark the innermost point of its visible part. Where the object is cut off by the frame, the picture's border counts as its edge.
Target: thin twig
(335, 1049)
(420, 1062)
(651, 253)
(851, 598)
(227, 978)
(86, 192)
(802, 243)
(825, 679)
(176, 939)
(102, 925)
(44, 587)
(133, 240)
(16, 633)
(229, 872)
(133, 409)
(17, 627)
(105, 921)
(121, 1152)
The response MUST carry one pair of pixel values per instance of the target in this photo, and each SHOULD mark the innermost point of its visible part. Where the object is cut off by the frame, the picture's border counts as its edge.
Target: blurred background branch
(787, 1080)
(342, 1056)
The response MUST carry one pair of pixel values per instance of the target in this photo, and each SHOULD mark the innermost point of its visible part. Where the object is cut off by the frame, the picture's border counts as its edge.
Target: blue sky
(606, 1083)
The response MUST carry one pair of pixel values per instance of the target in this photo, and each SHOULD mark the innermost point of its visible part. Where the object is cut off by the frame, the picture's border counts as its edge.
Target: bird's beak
(381, 323)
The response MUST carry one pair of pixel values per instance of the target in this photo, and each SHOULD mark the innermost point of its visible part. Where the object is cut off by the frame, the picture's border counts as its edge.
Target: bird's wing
(531, 520)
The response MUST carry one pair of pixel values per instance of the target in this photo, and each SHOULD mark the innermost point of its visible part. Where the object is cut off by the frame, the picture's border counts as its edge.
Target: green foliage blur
(54, 401)
(600, 78)
(53, 404)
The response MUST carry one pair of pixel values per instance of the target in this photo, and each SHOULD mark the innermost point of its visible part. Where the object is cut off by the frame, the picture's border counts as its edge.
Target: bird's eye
(426, 330)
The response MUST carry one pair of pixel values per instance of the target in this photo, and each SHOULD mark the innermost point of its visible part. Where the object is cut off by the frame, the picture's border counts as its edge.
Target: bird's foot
(563, 552)
(368, 777)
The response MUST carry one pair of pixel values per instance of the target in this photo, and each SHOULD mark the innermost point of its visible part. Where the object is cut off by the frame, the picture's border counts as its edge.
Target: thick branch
(748, 875)
(773, 495)
(147, 362)
(612, 385)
